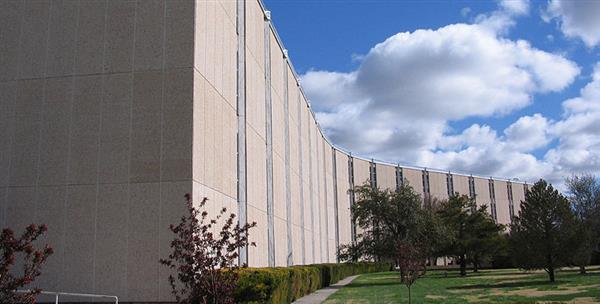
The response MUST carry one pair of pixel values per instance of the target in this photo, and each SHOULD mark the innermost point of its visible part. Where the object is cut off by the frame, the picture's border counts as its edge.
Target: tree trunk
(582, 269)
(463, 266)
(409, 295)
(475, 265)
(551, 273)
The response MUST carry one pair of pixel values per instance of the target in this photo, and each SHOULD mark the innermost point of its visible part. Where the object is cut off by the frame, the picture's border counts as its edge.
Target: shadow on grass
(508, 285)
(373, 284)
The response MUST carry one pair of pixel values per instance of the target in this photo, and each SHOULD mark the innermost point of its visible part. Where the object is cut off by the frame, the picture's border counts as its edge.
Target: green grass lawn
(486, 286)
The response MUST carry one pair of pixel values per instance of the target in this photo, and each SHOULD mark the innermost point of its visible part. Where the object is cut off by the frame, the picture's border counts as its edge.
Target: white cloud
(399, 103)
(465, 11)
(528, 133)
(577, 19)
(579, 131)
(516, 7)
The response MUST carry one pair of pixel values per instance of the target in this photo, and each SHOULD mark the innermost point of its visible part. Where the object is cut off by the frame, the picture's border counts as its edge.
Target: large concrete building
(112, 110)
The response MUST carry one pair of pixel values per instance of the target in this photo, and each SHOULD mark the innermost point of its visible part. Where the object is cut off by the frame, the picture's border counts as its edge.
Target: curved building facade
(112, 110)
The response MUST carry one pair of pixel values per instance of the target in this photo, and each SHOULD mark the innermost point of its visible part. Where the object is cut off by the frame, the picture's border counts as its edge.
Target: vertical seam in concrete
(42, 117)
(131, 102)
(241, 120)
(311, 193)
(319, 197)
(99, 143)
(269, 143)
(352, 197)
(511, 206)
(18, 76)
(10, 151)
(301, 177)
(335, 203)
(288, 194)
(326, 222)
(67, 177)
(160, 149)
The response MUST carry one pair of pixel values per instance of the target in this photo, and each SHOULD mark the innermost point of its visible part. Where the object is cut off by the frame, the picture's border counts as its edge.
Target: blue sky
(511, 65)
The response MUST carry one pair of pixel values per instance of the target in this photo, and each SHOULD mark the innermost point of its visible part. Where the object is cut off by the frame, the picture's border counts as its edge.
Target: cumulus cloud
(516, 7)
(577, 19)
(579, 132)
(528, 133)
(398, 104)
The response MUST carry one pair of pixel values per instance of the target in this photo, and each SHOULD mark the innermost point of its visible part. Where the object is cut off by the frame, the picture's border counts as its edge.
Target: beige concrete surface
(110, 111)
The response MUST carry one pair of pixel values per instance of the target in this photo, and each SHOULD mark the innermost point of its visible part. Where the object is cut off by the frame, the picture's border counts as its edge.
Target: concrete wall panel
(115, 132)
(461, 184)
(33, 38)
(438, 185)
(146, 127)
(280, 242)
(79, 245)
(111, 223)
(8, 96)
(414, 179)
(90, 35)
(482, 192)
(177, 121)
(277, 65)
(179, 35)
(343, 198)
(149, 35)
(279, 190)
(28, 118)
(502, 208)
(255, 99)
(361, 172)
(50, 210)
(118, 54)
(386, 177)
(518, 196)
(172, 208)
(11, 14)
(19, 207)
(144, 208)
(54, 145)
(64, 15)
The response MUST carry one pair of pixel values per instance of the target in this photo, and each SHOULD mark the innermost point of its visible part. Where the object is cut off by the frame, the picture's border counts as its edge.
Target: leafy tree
(542, 235)
(485, 238)
(411, 264)
(473, 234)
(386, 218)
(584, 196)
(33, 259)
(351, 252)
(205, 262)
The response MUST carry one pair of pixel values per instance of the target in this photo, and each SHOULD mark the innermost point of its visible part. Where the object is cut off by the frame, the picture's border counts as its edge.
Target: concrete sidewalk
(322, 294)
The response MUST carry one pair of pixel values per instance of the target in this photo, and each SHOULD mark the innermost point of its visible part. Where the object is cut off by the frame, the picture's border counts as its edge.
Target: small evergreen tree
(33, 259)
(205, 262)
(542, 236)
(473, 234)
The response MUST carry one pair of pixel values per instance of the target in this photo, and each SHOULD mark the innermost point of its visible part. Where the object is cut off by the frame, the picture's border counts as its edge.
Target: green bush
(286, 284)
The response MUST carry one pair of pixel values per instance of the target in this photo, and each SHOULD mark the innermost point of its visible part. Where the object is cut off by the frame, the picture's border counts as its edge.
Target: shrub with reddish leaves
(205, 262)
(411, 263)
(33, 259)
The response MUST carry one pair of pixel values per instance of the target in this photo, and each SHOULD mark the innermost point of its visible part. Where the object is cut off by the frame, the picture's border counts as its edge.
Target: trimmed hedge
(286, 284)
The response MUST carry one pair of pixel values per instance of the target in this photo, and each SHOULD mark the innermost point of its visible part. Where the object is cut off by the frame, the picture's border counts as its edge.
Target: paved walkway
(322, 294)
